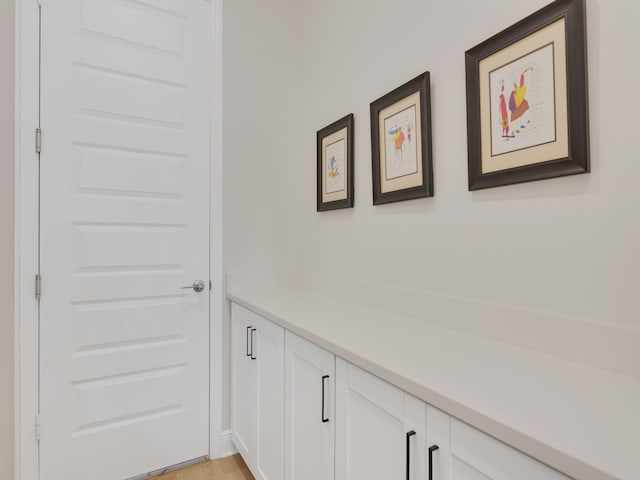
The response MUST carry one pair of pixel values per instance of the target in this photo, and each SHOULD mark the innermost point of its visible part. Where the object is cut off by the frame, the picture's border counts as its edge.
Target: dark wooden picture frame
(568, 152)
(335, 192)
(410, 177)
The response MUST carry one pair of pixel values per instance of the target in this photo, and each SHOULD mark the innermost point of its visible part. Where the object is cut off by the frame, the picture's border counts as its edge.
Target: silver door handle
(198, 286)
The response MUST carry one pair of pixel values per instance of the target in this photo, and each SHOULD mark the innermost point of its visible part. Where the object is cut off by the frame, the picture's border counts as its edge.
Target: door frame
(26, 234)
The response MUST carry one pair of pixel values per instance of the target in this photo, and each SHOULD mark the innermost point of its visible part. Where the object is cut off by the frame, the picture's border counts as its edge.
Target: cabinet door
(477, 456)
(269, 354)
(438, 441)
(309, 410)
(243, 385)
(465, 453)
(374, 421)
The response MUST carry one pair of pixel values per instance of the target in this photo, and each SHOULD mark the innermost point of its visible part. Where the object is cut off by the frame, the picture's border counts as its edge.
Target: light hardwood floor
(230, 468)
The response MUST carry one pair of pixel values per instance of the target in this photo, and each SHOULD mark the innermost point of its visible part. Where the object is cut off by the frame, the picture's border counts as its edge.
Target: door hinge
(37, 427)
(38, 140)
(38, 286)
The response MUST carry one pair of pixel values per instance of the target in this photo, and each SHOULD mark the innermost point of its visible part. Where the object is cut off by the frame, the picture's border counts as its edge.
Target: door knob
(197, 286)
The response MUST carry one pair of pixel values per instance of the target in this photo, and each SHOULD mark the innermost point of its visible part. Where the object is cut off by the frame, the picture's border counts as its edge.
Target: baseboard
(227, 448)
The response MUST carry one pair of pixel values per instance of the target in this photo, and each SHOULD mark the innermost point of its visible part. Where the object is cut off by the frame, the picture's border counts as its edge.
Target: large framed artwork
(335, 165)
(401, 143)
(527, 105)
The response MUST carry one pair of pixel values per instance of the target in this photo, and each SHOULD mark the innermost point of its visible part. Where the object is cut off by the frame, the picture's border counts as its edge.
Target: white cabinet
(300, 413)
(243, 385)
(309, 410)
(269, 355)
(380, 430)
(438, 441)
(257, 383)
(465, 453)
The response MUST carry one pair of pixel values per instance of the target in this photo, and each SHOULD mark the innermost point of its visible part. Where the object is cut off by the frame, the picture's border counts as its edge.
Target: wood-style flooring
(230, 468)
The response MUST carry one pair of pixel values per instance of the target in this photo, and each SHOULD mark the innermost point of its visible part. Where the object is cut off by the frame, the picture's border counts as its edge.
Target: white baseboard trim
(227, 448)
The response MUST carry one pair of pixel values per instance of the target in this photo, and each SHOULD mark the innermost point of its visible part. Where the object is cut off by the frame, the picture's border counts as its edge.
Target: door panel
(270, 414)
(309, 441)
(477, 455)
(243, 386)
(439, 434)
(124, 225)
(462, 471)
(372, 426)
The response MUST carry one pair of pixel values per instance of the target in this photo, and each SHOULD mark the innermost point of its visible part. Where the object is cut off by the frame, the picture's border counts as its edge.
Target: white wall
(6, 238)
(260, 122)
(567, 245)
(558, 255)
(261, 94)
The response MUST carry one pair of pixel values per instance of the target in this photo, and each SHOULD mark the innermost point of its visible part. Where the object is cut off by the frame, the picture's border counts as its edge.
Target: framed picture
(335, 165)
(401, 143)
(527, 115)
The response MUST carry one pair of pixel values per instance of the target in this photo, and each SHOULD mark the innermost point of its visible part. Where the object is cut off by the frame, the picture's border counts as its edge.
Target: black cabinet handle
(252, 356)
(432, 449)
(409, 435)
(325, 377)
(248, 353)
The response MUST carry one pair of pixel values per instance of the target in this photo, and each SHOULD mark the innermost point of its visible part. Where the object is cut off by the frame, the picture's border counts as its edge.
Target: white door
(124, 226)
(380, 430)
(269, 355)
(243, 384)
(309, 410)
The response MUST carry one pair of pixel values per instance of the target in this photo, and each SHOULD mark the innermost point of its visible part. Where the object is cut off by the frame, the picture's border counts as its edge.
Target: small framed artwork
(527, 115)
(401, 143)
(335, 165)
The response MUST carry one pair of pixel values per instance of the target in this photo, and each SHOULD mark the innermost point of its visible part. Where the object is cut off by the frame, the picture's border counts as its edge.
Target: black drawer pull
(252, 356)
(248, 353)
(432, 449)
(409, 435)
(325, 377)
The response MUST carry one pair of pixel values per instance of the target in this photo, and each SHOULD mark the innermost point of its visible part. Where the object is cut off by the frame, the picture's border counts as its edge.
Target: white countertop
(581, 420)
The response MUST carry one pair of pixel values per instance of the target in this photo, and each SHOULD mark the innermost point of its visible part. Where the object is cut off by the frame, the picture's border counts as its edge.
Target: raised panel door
(124, 224)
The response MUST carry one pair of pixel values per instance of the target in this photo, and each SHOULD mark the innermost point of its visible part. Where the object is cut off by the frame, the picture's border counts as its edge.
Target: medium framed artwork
(335, 165)
(401, 143)
(527, 115)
